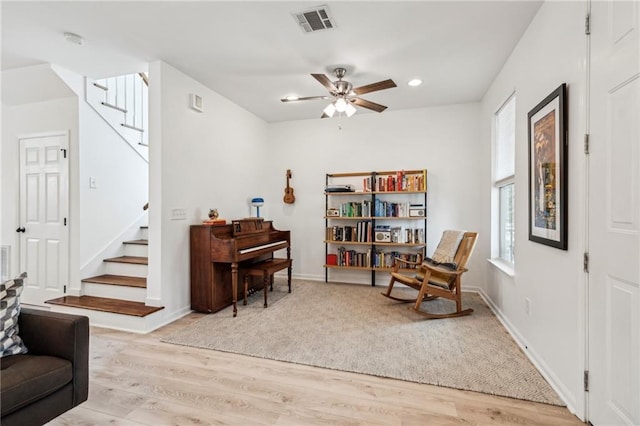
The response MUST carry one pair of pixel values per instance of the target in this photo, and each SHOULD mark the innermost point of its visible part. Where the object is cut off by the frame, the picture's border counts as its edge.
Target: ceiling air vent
(315, 19)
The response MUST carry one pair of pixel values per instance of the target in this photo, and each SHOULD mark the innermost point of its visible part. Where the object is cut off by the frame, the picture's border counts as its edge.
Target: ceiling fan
(344, 96)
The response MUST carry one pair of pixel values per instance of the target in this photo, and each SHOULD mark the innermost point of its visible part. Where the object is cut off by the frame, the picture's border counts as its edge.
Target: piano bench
(266, 269)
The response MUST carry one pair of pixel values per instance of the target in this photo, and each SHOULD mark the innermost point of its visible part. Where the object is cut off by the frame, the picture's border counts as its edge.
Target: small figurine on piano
(213, 218)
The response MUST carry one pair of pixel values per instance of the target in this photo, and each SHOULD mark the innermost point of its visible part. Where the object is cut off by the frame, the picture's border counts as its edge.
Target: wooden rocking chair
(438, 277)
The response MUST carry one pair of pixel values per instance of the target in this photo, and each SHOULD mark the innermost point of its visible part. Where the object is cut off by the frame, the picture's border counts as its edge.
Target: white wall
(217, 158)
(443, 140)
(122, 184)
(28, 120)
(552, 51)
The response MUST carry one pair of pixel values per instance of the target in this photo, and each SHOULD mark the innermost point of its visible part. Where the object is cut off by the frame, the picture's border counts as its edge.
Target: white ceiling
(254, 53)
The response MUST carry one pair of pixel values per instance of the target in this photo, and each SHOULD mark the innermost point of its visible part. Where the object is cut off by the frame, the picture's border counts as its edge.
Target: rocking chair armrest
(408, 262)
(444, 270)
(397, 261)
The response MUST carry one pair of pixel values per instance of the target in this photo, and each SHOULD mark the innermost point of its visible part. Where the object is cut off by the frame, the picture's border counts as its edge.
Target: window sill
(503, 266)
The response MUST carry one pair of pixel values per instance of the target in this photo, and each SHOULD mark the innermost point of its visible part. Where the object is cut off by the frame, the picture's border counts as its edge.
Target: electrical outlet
(178, 214)
(527, 306)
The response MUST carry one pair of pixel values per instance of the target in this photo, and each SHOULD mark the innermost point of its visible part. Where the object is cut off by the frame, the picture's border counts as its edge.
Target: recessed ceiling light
(74, 38)
(415, 82)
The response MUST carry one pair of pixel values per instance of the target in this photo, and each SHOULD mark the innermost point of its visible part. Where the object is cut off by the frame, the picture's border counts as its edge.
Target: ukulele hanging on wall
(289, 198)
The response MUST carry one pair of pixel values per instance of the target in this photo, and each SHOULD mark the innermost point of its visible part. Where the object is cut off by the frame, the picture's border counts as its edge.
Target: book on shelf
(414, 235)
(366, 184)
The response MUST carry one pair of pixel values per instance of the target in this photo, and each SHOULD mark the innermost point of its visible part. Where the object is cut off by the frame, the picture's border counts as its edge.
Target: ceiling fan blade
(324, 115)
(324, 80)
(373, 87)
(368, 104)
(307, 98)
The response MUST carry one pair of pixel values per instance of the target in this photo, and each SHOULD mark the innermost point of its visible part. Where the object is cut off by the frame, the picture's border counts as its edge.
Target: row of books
(363, 233)
(389, 209)
(398, 182)
(356, 209)
(381, 209)
(400, 234)
(360, 233)
(377, 259)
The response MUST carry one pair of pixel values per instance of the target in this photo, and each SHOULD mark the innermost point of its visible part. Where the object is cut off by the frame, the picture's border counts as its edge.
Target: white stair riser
(128, 269)
(144, 233)
(135, 250)
(133, 294)
(114, 321)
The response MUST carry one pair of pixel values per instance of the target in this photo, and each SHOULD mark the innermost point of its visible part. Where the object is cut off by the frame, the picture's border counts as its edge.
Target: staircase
(115, 292)
(116, 298)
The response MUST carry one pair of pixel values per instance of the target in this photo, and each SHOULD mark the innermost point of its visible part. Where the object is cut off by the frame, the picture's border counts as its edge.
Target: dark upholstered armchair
(53, 376)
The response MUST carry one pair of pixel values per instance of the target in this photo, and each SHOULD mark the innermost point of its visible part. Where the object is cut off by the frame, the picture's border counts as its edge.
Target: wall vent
(316, 19)
(5, 261)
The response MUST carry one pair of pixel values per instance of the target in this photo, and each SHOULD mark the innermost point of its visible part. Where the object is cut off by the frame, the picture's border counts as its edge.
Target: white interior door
(614, 206)
(44, 206)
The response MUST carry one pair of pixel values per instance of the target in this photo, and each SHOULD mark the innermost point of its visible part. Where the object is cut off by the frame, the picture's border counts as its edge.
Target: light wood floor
(138, 380)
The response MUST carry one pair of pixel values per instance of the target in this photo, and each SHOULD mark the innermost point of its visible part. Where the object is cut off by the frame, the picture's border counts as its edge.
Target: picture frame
(548, 170)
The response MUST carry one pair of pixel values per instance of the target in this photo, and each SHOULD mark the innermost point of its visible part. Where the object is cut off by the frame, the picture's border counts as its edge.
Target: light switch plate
(178, 214)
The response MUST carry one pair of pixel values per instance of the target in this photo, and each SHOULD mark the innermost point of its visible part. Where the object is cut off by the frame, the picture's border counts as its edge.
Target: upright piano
(219, 252)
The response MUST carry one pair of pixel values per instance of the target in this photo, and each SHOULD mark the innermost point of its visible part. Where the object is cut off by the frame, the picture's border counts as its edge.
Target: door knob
(20, 229)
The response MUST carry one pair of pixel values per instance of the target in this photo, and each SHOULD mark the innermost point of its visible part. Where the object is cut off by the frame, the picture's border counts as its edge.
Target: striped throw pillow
(10, 342)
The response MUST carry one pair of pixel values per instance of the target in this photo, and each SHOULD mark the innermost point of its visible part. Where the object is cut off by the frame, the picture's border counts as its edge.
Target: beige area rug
(353, 328)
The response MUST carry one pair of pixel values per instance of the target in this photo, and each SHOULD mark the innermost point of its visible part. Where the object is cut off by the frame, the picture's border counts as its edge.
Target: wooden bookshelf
(376, 216)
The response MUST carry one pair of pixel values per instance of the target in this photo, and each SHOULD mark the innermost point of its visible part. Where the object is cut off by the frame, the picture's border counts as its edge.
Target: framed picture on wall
(548, 170)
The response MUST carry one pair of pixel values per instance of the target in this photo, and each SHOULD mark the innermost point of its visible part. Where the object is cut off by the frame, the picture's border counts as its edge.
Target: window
(504, 178)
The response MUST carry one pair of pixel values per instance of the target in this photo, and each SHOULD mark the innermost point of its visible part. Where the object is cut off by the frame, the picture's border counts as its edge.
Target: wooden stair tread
(122, 280)
(104, 304)
(137, 260)
(138, 242)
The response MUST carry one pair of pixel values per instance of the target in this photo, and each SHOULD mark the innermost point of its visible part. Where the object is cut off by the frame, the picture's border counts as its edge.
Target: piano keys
(218, 254)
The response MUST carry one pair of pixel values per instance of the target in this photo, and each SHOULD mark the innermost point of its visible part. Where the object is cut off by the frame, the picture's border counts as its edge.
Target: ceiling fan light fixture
(345, 97)
(341, 105)
(330, 110)
(350, 110)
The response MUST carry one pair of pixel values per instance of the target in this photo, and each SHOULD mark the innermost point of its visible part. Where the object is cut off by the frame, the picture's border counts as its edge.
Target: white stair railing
(123, 103)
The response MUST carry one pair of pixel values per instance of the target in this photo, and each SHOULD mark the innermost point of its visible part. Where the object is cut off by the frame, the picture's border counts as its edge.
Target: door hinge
(585, 262)
(586, 143)
(64, 289)
(65, 221)
(587, 24)
(64, 152)
(586, 380)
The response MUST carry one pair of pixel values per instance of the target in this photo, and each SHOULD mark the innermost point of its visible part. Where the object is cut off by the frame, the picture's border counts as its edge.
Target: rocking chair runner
(441, 279)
